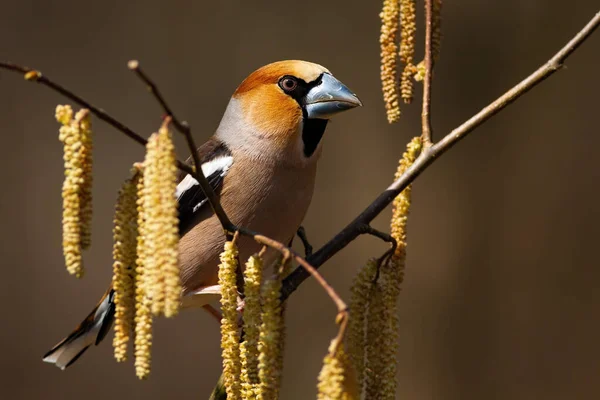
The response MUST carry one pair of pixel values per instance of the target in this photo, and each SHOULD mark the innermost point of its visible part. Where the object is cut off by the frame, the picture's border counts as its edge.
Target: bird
(261, 162)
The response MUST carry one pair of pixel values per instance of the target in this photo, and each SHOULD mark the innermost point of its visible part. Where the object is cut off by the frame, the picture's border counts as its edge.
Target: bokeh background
(502, 290)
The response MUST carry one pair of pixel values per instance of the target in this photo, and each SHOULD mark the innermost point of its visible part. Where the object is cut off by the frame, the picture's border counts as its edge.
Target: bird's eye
(288, 84)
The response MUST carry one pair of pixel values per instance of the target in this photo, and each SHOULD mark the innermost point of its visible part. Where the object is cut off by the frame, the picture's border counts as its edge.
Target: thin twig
(134, 66)
(425, 113)
(36, 76)
(342, 316)
(185, 129)
(287, 252)
(351, 231)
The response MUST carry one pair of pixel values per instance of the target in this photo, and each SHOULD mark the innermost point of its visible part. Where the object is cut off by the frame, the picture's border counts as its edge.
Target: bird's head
(281, 110)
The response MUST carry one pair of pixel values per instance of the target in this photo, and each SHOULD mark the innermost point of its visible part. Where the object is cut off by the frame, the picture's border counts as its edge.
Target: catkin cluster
(124, 256)
(336, 379)
(143, 315)
(408, 32)
(230, 335)
(145, 270)
(359, 308)
(252, 320)
(252, 368)
(400, 16)
(76, 136)
(373, 326)
(389, 52)
(145, 232)
(159, 209)
(270, 345)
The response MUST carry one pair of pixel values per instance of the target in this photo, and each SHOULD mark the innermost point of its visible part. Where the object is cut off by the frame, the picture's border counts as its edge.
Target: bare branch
(36, 76)
(430, 154)
(287, 252)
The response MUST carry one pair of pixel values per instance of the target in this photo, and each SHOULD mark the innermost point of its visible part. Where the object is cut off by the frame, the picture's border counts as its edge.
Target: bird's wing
(216, 159)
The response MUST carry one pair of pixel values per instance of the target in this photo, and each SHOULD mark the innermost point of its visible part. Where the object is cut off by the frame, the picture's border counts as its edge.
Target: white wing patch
(219, 164)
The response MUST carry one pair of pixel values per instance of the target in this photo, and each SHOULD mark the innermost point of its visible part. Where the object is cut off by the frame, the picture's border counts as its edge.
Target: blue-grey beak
(329, 98)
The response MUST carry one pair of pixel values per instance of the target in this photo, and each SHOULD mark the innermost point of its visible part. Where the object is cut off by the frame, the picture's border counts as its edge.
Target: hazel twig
(184, 128)
(33, 75)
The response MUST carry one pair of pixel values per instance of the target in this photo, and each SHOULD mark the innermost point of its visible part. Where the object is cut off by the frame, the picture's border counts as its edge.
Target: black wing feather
(193, 199)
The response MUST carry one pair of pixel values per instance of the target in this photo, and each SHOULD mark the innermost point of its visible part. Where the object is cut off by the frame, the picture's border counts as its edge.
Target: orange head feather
(268, 114)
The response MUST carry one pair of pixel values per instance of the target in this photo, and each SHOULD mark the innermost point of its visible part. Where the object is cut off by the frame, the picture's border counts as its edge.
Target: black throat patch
(312, 133)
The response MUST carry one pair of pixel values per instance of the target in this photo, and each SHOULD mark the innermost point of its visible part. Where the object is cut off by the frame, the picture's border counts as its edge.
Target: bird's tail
(90, 331)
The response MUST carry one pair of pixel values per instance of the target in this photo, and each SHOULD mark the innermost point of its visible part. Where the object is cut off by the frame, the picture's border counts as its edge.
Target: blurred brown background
(502, 291)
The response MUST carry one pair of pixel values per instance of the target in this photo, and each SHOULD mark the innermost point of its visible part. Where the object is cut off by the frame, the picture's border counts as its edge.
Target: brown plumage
(262, 163)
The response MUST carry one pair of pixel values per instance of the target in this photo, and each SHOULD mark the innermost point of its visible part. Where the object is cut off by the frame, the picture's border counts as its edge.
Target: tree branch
(430, 154)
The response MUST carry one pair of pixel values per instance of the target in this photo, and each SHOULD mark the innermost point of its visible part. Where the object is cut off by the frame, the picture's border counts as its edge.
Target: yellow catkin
(436, 32)
(406, 83)
(408, 29)
(282, 270)
(124, 259)
(75, 134)
(270, 342)
(359, 302)
(230, 336)
(390, 15)
(375, 344)
(252, 321)
(84, 125)
(402, 201)
(160, 207)
(143, 315)
(383, 304)
(336, 379)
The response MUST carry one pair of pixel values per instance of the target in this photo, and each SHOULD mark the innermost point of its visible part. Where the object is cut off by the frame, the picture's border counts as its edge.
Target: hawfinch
(261, 161)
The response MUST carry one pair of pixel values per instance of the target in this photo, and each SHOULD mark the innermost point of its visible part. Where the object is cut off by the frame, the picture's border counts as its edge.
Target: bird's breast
(263, 198)
(269, 200)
